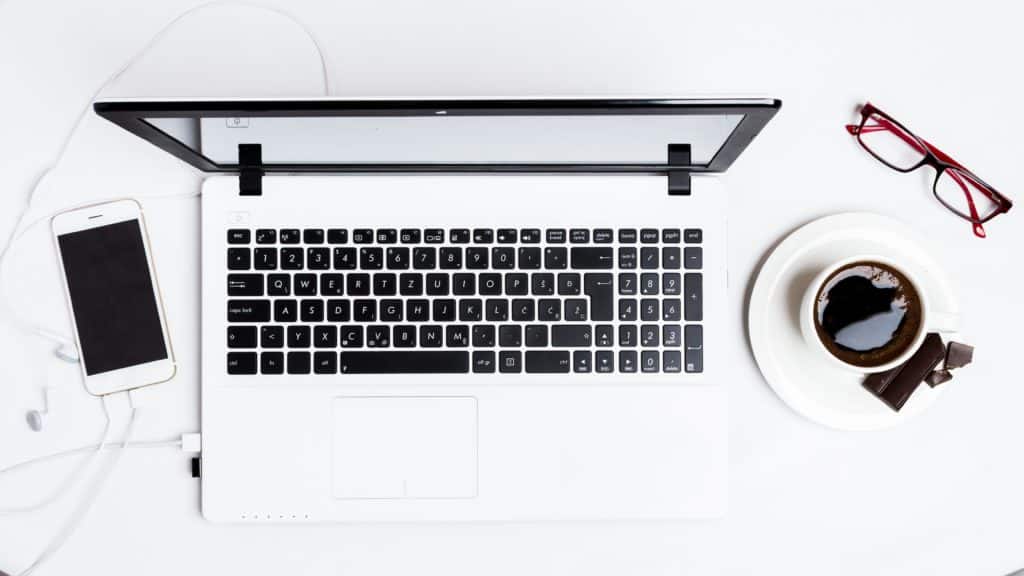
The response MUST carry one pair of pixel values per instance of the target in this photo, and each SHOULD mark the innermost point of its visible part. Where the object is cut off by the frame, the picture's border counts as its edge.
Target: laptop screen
(326, 135)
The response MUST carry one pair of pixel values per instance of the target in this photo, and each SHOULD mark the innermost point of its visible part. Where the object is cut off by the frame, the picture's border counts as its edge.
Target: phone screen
(112, 297)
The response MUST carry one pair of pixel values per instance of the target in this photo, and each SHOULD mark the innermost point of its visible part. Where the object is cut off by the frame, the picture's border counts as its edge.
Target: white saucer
(803, 379)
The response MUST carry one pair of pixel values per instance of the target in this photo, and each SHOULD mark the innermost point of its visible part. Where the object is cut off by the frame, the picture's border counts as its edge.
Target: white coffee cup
(932, 320)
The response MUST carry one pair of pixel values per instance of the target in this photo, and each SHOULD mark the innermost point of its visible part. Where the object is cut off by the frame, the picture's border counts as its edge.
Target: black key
(390, 310)
(437, 284)
(483, 362)
(671, 336)
(627, 361)
(378, 337)
(433, 236)
(649, 335)
(694, 336)
(529, 235)
(325, 363)
(272, 363)
(507, 235)
(604, 362)
(476, 258)
(272, 336)
(496, 310)
(286, 310)
(358, 284)
(627, 335)
(241, 362)
(555, 258)
(693, 258)
(289, 236)
(241, 336)
(424, 258)
(648, 258)
(459, 236)
(483, 336)
(510, 335)
(670, 258)
(364, 310)
(556, 235)
(627, 283)
(325, 336)
(483, 235)
(292, 259)
(579, 235)
(385, 285)
(313, 236)
(351, 336)
(503, 258)
(627, 309)
(298, 363)
(387, 236)
(398, 258)
(581, 361)
(627, 258)
(451, 258)
(670, 236)
(362, 236)
(344, 258)
(671, 361)
(694, 360)
(471, 310)
(338, 311)
(627, 235)
(542, 284)
(536, 336)
(529, 258)
(516, 284)
(575, 310)
(568, 284)
(549, 310)
(671, 283)
(305, 284)
(649, 283)
(417, 310)
(410, 284)
(239, 258)
(570, 336)
(598, 286)
(490, 284)
(431, 336)
(312, 311)
(245, 285)
(604, 334)
(405, 362)
(443, 310)
(671, 310)
(649, 361)
(693, 236)
(547, 361)
(592, 258)
(337, 236)
(693, 309)
(248, 310)
(332, 284)
(404, 336)
(266, 236)
(522, 310)
(371, 258)
(239, 236)
(649, 236)
(456, 336)
(649, 309)
(298, 337)
(510, 362)
(409, 236)
(603, 236)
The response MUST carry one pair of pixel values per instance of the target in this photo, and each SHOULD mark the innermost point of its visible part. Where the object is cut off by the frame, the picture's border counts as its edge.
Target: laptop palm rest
(395, 447)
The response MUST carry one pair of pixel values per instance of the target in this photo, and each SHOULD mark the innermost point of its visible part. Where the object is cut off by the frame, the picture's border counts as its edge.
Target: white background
(943, 494)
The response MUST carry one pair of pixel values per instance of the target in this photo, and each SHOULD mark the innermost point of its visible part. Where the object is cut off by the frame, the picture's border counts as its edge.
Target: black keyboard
(461, 300)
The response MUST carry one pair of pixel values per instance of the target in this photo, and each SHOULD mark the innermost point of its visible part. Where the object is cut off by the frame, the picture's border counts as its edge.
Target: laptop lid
(658, 136)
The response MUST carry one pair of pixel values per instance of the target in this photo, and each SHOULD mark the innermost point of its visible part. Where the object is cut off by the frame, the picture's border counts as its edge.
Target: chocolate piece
(958, 355)
(938, 377)
(927, 357)
(879, 381)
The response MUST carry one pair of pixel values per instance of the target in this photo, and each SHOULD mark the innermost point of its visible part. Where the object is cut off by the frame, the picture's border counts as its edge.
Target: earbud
(37, 418)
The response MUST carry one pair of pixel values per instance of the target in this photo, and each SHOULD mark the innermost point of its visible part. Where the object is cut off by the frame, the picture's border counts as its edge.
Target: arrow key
(581, 361)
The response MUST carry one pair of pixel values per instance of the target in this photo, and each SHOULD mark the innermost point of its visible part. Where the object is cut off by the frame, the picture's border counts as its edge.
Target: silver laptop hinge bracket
(250, 170)
(679, 179)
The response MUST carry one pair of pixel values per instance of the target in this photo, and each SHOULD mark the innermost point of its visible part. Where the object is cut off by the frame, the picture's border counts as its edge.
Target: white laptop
(460, 310)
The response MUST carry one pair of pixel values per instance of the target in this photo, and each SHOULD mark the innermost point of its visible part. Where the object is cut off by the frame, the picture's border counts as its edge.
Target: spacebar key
(408, 362)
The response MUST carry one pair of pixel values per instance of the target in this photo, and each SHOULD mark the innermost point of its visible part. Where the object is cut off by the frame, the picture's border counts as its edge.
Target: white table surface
(943, 494)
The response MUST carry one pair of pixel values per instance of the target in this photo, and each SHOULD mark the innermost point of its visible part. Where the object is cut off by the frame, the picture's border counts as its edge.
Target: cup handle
(943, 322)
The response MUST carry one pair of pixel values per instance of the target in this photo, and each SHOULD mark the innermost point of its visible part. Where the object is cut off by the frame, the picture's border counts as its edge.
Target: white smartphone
(114, 298)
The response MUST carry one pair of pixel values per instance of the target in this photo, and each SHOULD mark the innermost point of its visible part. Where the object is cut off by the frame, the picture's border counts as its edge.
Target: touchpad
(405, 447)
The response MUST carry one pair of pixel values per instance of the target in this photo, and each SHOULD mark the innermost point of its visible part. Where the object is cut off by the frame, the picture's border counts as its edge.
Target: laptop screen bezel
(132, 116)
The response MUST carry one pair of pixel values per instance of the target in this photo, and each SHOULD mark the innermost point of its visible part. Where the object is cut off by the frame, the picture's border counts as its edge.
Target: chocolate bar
(938, 377)
(958, 355)
(895, 386)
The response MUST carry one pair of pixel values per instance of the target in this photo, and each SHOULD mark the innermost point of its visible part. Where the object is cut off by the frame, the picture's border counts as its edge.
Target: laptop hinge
(679, 180)
(250, 170)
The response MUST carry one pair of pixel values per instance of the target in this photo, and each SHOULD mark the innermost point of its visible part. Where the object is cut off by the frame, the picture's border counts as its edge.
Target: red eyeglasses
(956, 187)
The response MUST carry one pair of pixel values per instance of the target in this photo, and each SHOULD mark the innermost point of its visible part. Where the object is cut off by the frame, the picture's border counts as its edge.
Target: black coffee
(867, 313)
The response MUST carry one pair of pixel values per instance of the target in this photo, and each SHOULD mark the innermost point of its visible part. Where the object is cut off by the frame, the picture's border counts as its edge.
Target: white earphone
(37, 418)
